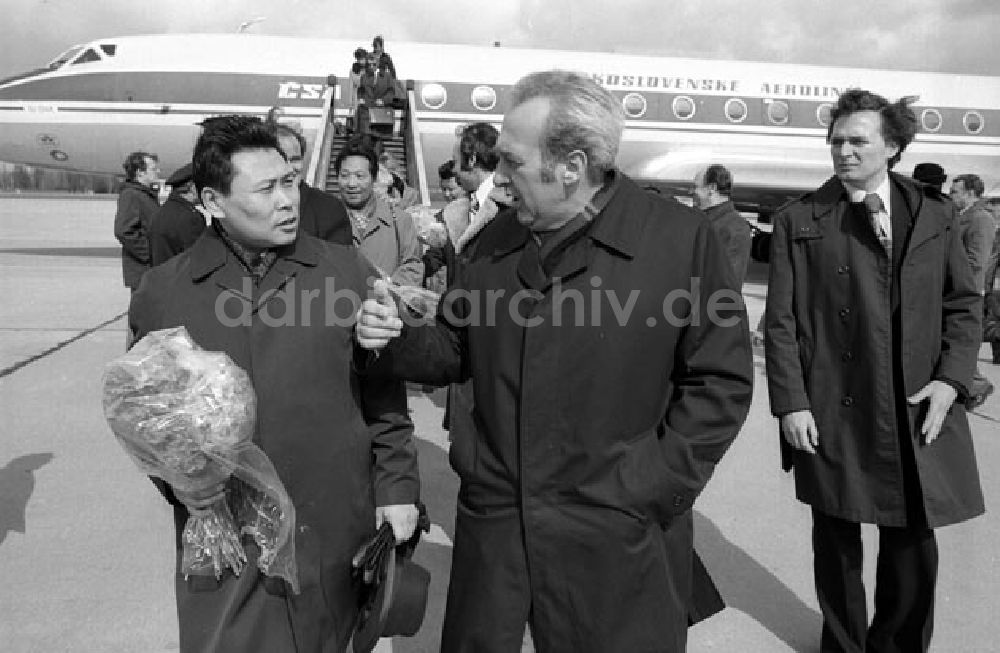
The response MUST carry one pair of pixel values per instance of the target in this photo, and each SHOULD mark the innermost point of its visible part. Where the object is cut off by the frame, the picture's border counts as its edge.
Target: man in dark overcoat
(611, 368)
(871, 332)
(178, 223)
(282, 304)
(712, 189)
(320, 214)
(137, 202)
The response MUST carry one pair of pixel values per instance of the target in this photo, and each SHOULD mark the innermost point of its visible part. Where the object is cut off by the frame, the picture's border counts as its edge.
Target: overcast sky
(957, 36)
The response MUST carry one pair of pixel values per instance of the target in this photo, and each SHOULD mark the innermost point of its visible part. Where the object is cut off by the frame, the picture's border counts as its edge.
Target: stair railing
(415, 150)
(324, 138)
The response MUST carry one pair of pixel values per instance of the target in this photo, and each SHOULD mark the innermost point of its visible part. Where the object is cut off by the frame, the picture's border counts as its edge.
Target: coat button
(847, 356)
(847, 401)
(844, 312)
(678, 501)
(843, 269)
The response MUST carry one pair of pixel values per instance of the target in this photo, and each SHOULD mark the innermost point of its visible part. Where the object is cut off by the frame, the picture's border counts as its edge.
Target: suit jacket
(830, 340)
(175, 226)
(323, 215)
(341, 444)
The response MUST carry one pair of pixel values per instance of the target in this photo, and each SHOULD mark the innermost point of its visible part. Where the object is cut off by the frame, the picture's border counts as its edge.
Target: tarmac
(86, 543)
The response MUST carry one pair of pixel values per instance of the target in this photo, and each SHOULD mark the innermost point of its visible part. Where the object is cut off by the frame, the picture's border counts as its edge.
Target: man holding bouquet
(279, 303)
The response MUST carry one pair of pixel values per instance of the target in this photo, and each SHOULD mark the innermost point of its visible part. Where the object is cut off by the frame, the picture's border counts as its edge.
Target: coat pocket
(465, 429)
(643, 478)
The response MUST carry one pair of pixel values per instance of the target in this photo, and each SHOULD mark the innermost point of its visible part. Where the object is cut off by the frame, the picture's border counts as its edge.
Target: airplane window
(777, 111)
(65, 56)
(973, 122)
(684, 107)
(109, 49)
(931, 119)
(634, 105)
(736, 110)
(87, 57)
(433, 96)
(823, 113)
(484, 98)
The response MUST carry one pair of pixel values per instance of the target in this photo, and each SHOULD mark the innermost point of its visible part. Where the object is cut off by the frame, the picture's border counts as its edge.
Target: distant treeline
(18, 177)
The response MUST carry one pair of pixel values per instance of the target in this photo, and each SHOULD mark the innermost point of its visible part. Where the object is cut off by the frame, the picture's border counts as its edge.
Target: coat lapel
(924, 226)
(302, 252)
(573, 261)
(829, 202)
(529, 267)
(211, 258)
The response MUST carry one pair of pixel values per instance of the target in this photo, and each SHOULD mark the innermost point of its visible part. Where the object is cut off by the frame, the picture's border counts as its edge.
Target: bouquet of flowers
(186, 416)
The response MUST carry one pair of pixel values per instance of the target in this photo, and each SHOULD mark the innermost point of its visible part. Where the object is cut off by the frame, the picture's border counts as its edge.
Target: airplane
(767, 123)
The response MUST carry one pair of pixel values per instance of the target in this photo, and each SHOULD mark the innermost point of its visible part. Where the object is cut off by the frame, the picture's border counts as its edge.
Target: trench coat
(977, 231)
(828, 350)
(735, 234)
(595, 423)
(341, 444)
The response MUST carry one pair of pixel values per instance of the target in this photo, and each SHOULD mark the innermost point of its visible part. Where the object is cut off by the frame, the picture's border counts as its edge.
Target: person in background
(354, 80)
(871, 332)
(178, 223)
(931, 174)
(340, 443)
(137, 202)
(320, 213)
(977, 231)
(476, 160)
(401, 194)
(386, 89)
(992, 284)
(991, 322)
(382, 58)
(439, 260)
(589, 438)
(448, 182)
(365, 96)
(386, 236)
(712, 188)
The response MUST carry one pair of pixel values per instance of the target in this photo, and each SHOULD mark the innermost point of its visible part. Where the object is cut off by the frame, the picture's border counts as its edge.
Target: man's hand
(941, 396)
(799, 429)
(200, 501)
(378, 319)
(402, 518)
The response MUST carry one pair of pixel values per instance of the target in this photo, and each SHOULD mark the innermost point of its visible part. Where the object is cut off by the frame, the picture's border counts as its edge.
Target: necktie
(473, 206)
(873, 205)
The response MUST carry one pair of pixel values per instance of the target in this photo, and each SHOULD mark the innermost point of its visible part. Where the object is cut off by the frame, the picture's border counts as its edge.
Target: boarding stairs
(403, 143)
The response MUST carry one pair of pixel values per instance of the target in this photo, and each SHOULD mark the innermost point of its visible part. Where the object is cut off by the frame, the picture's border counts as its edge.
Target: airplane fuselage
(766, 122)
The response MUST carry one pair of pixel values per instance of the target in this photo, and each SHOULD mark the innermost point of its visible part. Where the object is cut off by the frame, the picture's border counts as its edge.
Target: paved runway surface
(86, 554)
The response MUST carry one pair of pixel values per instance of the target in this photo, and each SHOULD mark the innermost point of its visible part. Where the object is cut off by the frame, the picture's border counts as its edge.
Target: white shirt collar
(484, 189)
(883, 191)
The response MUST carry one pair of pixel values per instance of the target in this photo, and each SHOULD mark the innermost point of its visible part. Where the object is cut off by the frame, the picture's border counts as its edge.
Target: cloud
(943, 35)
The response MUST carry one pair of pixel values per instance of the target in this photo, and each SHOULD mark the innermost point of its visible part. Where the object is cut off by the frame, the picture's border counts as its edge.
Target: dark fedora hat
(393, 595)
(396, 604)
(930, 173)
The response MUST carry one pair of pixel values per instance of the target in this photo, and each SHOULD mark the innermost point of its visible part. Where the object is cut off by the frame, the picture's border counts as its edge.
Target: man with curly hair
(871, 331)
